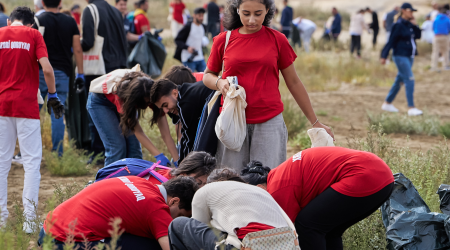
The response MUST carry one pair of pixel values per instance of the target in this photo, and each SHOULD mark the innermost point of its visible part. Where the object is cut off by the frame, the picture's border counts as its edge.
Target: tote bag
(93, 63)
(105, 83)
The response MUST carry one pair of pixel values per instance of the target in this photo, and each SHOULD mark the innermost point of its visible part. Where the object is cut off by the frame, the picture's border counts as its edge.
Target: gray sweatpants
(265, 142)
(191, 234)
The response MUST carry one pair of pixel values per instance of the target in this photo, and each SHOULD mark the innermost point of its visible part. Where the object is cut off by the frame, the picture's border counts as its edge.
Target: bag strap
(151, 170)
(36, 20)
(95, 16)
(225, 48)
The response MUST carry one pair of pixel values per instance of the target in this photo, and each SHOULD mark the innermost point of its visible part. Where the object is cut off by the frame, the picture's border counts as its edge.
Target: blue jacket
(286, 18)
(3, 19)
(402, 39)
(336, 25)
(441, 25)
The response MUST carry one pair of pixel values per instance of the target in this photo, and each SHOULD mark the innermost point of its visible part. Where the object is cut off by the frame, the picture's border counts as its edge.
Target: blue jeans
(106, 119)
(62, 88)
(405, 76)
(198, 66)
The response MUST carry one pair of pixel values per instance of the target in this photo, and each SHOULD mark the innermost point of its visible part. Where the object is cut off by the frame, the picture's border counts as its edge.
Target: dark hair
(232, 20)
(198, 162)
(66, 12)
(367, 9)
(224, 174)
(447, 6)
(255, 173)
(184, 188)
(132, 90)
(23, 14)
(2, 8)
(141, 2)
(180, 74)
(74, 7)
(51, 3)
(117, 1)
(199, 10)
(161, 88)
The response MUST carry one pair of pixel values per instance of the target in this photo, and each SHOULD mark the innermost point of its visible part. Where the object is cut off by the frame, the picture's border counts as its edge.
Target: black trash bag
(404, 197)
(150, 53)
(444, 198)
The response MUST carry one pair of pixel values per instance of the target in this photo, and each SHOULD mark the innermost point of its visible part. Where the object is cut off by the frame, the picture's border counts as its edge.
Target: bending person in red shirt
(256, 54)
(141, 22)
(325, 190)
(146, 210)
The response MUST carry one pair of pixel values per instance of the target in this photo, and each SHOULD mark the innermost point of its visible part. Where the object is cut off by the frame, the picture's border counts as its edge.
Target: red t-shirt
(251, 228)
(20, 49)
(307, 174)
(198, 76)
(256, 60)
(139, 203)
(139, 21)
(115, 100)
(178, 9)
(163, 172)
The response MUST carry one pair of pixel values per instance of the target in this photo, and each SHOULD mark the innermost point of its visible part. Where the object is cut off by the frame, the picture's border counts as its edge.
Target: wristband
(52, 95)
(315, 123)
(80, 76)
(220, 77)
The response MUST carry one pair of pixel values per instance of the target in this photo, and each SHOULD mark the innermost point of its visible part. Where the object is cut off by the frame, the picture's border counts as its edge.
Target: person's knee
(177, 225)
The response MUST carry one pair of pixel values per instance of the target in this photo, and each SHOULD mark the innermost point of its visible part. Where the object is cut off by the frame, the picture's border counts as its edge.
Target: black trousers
(356, 44)
(375, 35)
(322, 222)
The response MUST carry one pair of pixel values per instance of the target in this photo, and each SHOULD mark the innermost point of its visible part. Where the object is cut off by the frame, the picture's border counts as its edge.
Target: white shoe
(17, 158)
(29, 226)
(414, 112)
(389, 107)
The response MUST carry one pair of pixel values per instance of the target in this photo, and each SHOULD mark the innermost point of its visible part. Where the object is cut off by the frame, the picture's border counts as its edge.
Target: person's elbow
(47, 69)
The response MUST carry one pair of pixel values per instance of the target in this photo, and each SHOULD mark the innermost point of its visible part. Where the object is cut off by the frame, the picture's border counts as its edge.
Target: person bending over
(325, 190)
(146, 211)
(230, 206)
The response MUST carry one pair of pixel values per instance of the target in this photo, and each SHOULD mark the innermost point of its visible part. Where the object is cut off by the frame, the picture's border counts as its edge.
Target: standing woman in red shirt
(325, 190)
(177, 8)
(256, 54)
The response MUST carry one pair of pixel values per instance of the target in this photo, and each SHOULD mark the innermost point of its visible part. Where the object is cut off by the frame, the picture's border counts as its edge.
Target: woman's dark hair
(184, 188)
(255, 173)
(199, 163)
(180, 75)
(22, 13)
(2, 8)
(133, 91)
(75, 6)
(224, 174)
(232, 20)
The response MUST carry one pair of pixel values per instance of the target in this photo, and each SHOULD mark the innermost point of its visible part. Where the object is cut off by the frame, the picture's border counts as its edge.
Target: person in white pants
(21, 47)
(306, 28)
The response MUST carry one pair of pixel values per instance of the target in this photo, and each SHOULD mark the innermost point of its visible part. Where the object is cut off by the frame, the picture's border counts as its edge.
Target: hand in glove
(164, 160)
(54, 103)
(79, 83)
(175, 163)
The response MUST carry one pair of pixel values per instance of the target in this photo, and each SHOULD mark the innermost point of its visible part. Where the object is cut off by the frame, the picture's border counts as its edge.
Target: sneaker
(389, 107)
(17, 158)
(28, 227)
(414, 112)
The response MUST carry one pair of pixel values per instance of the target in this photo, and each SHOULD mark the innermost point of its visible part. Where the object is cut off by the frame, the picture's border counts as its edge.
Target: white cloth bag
(105, 83)
(93, 63)
(320, 138)
(231, 126)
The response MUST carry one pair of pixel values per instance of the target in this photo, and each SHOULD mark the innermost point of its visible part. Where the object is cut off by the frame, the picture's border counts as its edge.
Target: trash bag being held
(150, 53)
(444, 198)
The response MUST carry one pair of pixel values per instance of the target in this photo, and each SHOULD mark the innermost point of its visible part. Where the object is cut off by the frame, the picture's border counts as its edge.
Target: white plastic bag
(320, 138)
(231, 126)
(105, 83)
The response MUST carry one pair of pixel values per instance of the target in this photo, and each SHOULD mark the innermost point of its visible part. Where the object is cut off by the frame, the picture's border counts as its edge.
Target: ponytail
(199, 163)
(255, 173)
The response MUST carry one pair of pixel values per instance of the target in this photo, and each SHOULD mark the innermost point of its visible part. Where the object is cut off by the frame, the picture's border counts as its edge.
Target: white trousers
(175, 27)
(29, 133)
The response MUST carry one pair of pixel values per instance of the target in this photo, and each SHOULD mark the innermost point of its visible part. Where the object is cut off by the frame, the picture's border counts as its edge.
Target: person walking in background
(427, 30)
(286, 19)
(3, 16)
(121, 5)
(38, 7)
(403, 41)
(114, 50)
(61, 36)
(306, 28)
(176, 8)
(441, 28)
(388, 21)
(375, 26)
(76, 13)
(141, 22)
(435, 11)
(22, 50)
(336, 25)
(357, 26)
(213, 18)
(190, 43)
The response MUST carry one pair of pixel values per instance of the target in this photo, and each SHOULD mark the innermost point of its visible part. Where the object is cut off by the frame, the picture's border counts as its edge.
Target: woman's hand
(223, 86)
(320, 125)
(383, 61)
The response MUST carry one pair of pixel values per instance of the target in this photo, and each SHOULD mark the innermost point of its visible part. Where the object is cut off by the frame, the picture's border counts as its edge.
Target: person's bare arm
(132, 37)
(209, 79)
(164, 129)
(78, 52)
(164, 242)
(301, 96)
(48, 74)
(384, 24)
(144, 140)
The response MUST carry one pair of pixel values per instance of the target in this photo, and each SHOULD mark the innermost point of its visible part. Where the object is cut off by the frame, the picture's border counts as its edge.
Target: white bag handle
(225, 48)
(95, 17)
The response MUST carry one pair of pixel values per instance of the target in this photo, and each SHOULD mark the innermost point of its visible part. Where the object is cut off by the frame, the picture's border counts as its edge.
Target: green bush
(398, 123)
(301, 140)
(445, 130)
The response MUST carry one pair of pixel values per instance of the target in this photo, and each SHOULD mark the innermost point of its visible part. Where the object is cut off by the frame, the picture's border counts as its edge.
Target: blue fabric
(405, 75)
(206, 138)
(3, 20)
(106, 120)
(402, 39)
(336, 25)
(164, 160)
(286, 18)
(62, 88)
(441, 25)
(198, 66)
(135, 166)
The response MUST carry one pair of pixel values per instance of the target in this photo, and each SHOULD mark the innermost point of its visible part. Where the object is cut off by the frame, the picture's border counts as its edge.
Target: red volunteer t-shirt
(163, 172)
(115, 100)
(256, 60)
(20, 49)
(198, 76)
(178, 9)
(251, 228)
(139, 203)
(139, 21)
(307, 174)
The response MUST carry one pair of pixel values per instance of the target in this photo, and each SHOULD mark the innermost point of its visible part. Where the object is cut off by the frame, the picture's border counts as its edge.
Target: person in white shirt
(306, 28)
(357, 26)
(427, 30)
(190, 41)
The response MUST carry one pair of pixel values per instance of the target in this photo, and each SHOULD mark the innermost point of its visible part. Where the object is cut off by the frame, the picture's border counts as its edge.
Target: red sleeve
(216, 57)
(286, 54)
(41, 48)
(184, 6)
(159, 222)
